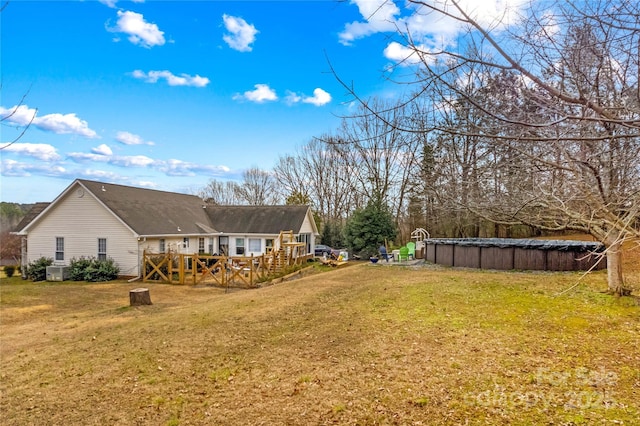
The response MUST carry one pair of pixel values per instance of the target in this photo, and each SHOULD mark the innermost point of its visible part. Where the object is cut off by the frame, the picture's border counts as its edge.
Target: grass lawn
(366, 344)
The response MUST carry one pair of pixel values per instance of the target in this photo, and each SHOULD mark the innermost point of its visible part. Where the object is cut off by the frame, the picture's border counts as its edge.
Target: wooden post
(144, 265)
(139, 296)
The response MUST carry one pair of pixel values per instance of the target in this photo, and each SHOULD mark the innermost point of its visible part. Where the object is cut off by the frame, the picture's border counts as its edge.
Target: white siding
(306, 227)
(174, 244)
(81, 221)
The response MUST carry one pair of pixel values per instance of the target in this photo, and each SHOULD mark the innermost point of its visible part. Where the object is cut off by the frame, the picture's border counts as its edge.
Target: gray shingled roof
(152, 212)
(33, 212)
(257, 219)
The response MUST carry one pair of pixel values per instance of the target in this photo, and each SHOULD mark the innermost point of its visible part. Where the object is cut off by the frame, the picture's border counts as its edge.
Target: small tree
(368, 228)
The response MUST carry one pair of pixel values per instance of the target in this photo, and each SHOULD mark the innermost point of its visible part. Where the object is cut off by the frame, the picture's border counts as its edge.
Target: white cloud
(183, 168)
(81, 157)
(101, 175)
(171, 79)
(404, 55)
(12, 168)
(242, 34)
(146, 184)
(292, 97)
(41, 151)
(121, 161)
(102, 149)
(112, 3)
(131, 139)
(428, 29)
(379, 16)
(132, 161)
(21, 115)
(140, 32)
(109, 3)
(319, 98)
(261, 94)
(65, 124)
(497, 13)
(172, 167)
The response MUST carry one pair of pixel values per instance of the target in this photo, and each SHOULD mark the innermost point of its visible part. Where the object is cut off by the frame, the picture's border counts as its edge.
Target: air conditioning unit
(58, 273)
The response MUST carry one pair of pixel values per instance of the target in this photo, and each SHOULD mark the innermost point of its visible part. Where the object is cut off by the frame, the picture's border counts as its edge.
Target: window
(268, 244)
(255, 245)
(161, 245)
(185, 242)
(200, 245)
(240, 246)
(59, 248)
(223, 245)
(210, 246)
(102, 249)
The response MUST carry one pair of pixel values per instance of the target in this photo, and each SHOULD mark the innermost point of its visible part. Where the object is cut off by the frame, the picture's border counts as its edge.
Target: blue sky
(171, 94)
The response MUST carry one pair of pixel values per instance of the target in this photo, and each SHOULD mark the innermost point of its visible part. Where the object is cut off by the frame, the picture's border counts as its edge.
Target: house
(103, 220)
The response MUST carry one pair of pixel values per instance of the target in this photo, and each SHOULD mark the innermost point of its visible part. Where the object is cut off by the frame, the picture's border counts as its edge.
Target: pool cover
(561, 245)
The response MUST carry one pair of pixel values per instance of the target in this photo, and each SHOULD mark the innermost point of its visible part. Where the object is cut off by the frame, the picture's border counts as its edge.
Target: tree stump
(139, 296)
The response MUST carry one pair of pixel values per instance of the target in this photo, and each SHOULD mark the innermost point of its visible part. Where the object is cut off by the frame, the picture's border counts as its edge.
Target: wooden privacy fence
(507, 254)
(225, 271)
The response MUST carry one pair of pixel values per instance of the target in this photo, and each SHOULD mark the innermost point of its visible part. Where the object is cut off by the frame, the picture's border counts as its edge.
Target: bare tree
(258, 188)
(382, 157)
(293, 178)
(222, 193)
(317, 171)
(11, 247)
(556, 105)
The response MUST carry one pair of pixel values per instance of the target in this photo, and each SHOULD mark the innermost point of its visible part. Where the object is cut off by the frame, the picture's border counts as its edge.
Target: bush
(102, 270)
(77, 268)
(93, 270)
(37, 270)
(9, 270)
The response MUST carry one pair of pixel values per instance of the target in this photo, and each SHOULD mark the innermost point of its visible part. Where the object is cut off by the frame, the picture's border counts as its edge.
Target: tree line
(525, 129)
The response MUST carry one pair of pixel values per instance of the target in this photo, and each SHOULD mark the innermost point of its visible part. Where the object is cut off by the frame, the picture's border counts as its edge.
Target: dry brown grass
(367, 344)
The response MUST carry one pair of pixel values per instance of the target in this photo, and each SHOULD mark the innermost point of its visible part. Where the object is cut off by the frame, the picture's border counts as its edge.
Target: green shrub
(93, 270)
(77, 268)
(37, 270)
(102, 270)
(9, 270)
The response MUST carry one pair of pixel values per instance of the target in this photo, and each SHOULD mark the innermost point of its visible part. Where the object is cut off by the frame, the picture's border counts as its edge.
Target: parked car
(321, 250)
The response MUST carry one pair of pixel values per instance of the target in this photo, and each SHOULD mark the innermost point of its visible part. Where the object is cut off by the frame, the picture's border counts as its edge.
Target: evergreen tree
(368, 228)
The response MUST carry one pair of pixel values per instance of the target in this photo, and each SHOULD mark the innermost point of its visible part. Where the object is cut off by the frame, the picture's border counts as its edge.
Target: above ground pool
(523, 254)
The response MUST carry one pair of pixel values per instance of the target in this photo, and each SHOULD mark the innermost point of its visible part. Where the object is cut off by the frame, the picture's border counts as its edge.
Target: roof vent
(103, 189)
